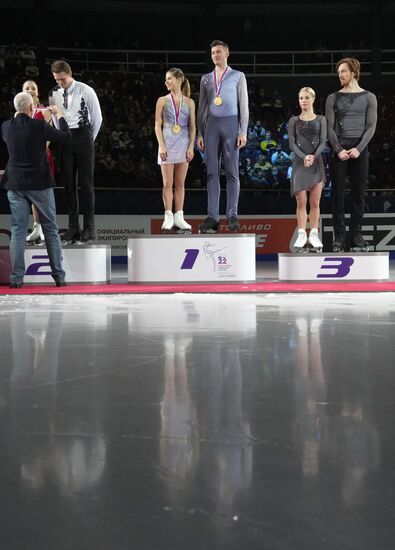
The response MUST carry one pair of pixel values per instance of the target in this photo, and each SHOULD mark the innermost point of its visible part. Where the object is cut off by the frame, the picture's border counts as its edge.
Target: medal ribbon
(176, 109)
(217, 86)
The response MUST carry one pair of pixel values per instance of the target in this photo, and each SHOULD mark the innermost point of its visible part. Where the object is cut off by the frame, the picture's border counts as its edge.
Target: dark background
(89, 25)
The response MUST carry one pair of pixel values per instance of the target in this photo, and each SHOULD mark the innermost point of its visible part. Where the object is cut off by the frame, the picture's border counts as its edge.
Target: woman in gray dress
(175, 130)
(307, 138)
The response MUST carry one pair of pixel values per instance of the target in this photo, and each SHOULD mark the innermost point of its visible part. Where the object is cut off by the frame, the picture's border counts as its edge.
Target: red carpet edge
(230, 288)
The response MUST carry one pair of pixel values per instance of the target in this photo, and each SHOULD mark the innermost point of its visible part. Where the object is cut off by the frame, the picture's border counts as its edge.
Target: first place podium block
(209, 258)
(334, 266)
(82, 264)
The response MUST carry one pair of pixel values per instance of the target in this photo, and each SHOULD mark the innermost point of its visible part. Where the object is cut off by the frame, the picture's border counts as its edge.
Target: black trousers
(77, 164)
(357, 172)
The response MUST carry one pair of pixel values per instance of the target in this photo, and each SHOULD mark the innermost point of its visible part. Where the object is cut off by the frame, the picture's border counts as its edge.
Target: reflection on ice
(231, 416)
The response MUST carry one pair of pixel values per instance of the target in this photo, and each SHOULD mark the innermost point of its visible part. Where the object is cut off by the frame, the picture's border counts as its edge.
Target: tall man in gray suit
(222, 131)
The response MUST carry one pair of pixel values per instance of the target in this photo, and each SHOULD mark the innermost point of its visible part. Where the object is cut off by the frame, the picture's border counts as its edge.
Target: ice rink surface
(197, 422)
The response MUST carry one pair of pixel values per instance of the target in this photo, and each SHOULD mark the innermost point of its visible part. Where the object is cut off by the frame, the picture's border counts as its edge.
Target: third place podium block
(338, 266)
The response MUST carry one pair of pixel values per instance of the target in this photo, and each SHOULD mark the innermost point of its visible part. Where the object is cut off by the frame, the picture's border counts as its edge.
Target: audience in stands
(126, 147)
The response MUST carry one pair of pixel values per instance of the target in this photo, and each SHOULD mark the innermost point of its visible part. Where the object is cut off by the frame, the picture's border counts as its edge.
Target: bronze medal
(218, 100)
(176, 129)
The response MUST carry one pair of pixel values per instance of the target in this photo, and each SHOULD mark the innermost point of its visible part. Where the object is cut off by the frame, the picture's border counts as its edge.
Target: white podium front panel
(82, 264)
(338, 266)
(191, 258)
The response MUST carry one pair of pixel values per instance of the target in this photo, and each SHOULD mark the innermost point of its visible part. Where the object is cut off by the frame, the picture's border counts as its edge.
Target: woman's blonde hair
(37, 101)
(308, 90)
(185, 86)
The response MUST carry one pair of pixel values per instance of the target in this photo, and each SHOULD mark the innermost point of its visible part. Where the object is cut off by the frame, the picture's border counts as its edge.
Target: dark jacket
(26, 138)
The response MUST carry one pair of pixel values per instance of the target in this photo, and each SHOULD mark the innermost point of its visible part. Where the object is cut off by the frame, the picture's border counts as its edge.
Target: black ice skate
(71, 236)
(338, 245)
(88, 235)
(233, 224)
(358, 244)
(209, 226)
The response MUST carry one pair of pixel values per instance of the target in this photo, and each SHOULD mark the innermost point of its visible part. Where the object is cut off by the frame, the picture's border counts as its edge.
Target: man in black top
(351, 114)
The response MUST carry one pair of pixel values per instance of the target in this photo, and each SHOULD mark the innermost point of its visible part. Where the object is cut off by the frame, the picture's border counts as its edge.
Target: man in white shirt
(81, 109)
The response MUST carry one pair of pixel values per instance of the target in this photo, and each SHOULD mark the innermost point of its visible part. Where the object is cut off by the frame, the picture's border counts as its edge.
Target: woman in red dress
(39, 112)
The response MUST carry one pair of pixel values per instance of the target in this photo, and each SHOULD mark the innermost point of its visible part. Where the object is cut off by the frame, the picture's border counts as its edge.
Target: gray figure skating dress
(307, 137)
(176, 144)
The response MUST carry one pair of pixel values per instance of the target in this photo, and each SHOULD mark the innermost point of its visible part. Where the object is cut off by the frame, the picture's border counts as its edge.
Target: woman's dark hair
(185, 86)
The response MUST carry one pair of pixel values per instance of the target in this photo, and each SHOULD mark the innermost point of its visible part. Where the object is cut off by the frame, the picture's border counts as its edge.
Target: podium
(82, 264)
(213, 258)
(334, 266)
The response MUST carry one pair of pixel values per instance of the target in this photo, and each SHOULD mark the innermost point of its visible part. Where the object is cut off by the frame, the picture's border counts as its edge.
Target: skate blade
(72, 242)
(34, 242)
(359, 249)
(233, 228)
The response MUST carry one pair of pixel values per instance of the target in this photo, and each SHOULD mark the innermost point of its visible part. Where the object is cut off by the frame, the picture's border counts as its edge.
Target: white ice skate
(300, 241)
(315, 241)
(36, 234)
(180, 224)
(168, 222)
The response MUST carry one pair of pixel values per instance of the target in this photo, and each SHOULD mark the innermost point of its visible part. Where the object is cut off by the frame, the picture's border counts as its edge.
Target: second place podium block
(82, 264)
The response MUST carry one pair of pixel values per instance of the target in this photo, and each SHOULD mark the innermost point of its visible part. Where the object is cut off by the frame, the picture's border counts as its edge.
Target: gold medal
(176, 129)
(217, 86)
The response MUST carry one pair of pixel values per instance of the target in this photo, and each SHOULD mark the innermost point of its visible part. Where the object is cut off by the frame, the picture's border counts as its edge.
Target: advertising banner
(274, 234)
